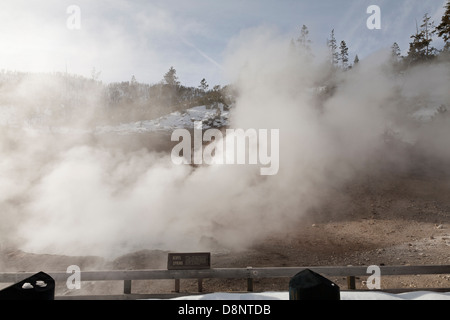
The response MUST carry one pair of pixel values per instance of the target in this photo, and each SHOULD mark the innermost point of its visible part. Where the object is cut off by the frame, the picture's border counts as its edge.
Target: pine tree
(443, 29)
(356, 61)
(420, 48)
(395, 50)
(171, 89)
(332, 45)
(428, 29)
(396, 58)
(396, 55)
(304, 41)
(203, 85)
(343, 56)
(171, 77)
(133, 88)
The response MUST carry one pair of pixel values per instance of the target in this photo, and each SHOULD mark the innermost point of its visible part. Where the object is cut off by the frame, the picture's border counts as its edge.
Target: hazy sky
(144, 38)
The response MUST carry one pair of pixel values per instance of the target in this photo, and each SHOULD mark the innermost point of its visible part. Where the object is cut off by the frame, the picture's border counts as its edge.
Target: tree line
(64, 96)
(420, 48)
(169, 95)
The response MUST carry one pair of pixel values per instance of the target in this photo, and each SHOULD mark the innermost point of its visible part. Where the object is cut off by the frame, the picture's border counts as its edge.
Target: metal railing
(249, 273)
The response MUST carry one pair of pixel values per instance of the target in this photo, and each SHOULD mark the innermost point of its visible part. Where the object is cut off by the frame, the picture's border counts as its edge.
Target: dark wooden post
(249, 284)
(127, 286)
(249, 280)
(177, 285)
(351, 283)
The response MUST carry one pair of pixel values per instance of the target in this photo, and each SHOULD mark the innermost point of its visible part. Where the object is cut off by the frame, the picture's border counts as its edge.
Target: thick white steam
(64, 194)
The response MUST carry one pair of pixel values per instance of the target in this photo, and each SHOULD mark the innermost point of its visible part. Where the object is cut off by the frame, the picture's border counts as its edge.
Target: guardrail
(248, 273)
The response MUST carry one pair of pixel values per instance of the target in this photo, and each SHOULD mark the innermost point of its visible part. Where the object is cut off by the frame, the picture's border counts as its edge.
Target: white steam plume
(81, 198)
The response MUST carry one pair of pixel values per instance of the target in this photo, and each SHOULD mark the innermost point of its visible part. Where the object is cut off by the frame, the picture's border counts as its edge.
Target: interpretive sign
(189, 261)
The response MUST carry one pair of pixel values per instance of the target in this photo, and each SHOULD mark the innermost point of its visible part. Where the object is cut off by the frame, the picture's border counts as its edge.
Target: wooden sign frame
(189, 261)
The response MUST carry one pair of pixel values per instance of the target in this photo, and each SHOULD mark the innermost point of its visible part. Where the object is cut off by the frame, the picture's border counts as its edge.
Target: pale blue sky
(144, 38)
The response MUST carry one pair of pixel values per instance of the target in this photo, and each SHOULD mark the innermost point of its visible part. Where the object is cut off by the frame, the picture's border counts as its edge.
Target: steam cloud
(64, 194)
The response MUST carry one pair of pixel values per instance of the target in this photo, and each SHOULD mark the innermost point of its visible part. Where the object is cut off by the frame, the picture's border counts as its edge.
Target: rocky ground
(395, 220)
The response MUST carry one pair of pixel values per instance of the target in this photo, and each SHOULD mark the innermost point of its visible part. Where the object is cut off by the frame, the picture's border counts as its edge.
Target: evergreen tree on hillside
(443, 29)
(395, 51)
(171, 89)
(343, 55)
(420, 49)
(396, 58)
(171, 77)
(203, 85)
(205, 95)
(133, 89)
(304, 41)
(332, 46)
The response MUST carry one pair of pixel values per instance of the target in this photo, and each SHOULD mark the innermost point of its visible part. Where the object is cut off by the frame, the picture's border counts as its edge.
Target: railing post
(351, 283)
(177, 285)
(249, 280)
(249, 284)
(127, 286)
